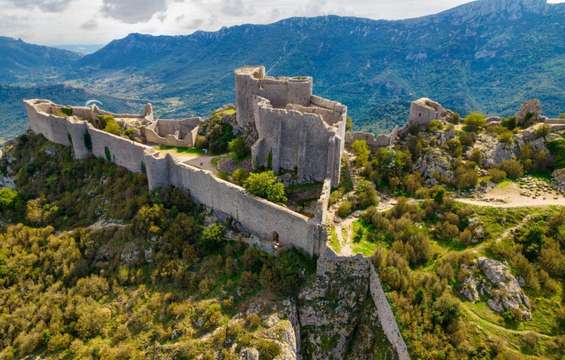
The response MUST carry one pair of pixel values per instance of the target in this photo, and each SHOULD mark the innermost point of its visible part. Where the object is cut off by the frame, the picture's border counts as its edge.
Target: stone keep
(290, 129)
(424, 110)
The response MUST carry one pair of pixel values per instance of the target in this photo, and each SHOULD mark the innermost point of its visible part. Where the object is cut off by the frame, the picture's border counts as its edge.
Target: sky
(63, 22)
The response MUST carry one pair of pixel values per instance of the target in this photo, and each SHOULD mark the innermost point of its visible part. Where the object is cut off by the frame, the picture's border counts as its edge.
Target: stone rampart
(386, 316)
(252, 214)
(296, 141)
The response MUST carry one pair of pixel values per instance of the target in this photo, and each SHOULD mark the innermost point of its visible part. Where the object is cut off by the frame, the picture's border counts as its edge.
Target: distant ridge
(487, 55)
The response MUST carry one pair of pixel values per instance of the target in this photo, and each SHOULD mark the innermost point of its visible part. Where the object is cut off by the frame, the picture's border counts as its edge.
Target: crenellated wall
(250, 213)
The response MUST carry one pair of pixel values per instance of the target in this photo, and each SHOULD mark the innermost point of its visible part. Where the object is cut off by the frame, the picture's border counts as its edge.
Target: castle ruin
(289, 128)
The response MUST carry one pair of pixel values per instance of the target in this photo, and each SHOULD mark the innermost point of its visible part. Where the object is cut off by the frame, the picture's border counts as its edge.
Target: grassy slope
(487, 324)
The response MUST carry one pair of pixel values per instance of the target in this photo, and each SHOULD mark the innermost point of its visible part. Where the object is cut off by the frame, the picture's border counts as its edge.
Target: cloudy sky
(57, 22)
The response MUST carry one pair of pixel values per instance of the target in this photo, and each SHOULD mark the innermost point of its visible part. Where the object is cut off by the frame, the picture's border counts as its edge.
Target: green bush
(266, 185)
(361, 151)
(112, 126)
(238, 148)
(366, 195)
(219, 132)
(506, 137)
(512, 168)
(557, 150)
(8, 198)
(345, 209)
(474, 121)
(239, 175)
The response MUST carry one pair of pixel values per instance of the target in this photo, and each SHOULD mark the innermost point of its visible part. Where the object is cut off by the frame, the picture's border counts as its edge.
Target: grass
(360, 243)
(504, 184)
(182, 150)
(334, 241)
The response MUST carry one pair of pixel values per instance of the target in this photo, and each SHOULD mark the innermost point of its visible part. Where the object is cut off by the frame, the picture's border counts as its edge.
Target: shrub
(345, 209)
(474, 121)
(496, 175)
(238, 148)
(509, 123)
(465, 178)
(212, 237)
(219, 133)
(239, 175)
(366, 194)
(557, 150)
(446, 311)
(435, 125)
(512, 168)
(267, 186)
(113, 127)
(67, 111)
(361, 150)
(506, 137)
(8, 198)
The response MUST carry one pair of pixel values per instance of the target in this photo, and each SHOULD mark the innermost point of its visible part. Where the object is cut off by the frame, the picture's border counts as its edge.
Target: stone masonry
(288, 128)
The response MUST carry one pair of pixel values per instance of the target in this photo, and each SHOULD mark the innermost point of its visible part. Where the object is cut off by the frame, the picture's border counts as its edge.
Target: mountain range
(488, 55)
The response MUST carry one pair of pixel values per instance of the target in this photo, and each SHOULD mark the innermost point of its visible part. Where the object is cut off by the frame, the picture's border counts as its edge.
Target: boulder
(492, 279)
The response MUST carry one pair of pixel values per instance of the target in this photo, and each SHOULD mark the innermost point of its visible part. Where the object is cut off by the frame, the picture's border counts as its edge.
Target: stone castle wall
(292, 140)
(292, 130)
(250, 213)
(252, 81)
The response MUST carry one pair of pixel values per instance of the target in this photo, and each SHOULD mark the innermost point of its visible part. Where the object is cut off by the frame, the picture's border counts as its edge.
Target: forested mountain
(28, 63)
(488, 55)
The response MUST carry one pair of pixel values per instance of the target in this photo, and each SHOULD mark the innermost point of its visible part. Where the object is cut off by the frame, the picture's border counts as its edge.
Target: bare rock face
(559, 179)
(492, 280)
(337, 315)
(493, 151)
(530, 112)
(435, 165)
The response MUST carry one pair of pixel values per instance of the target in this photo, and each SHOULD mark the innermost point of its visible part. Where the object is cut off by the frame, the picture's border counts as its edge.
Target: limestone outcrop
(492, 280)
(435, 165)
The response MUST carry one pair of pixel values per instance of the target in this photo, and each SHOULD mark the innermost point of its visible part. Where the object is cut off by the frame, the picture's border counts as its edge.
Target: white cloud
(133, 11)
(45, 5)
(98, 21)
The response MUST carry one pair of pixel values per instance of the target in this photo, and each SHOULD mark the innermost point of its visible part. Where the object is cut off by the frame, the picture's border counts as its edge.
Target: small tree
(366, 194)
(238, 148)
(361, 150)
(475, 121)
(267, 186)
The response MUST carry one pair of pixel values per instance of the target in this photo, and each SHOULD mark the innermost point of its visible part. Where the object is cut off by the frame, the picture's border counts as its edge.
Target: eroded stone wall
(295, 141)
(250, 213)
